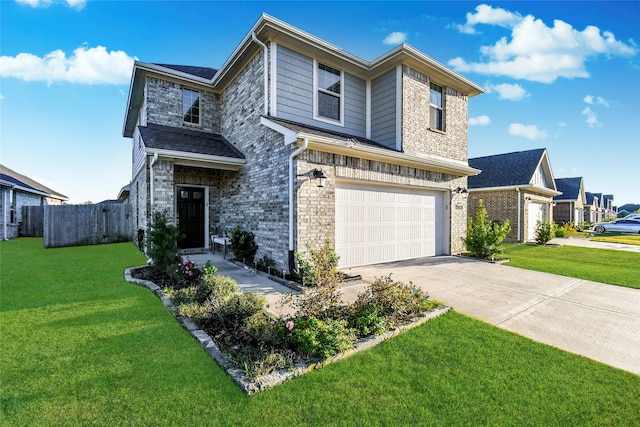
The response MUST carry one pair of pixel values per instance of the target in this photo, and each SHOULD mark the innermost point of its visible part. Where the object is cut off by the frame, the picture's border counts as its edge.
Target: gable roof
(570, 188)
(13, 179)
(590, 197)
(203, 72)
(190, 146)
(503, 170)
(269, 29)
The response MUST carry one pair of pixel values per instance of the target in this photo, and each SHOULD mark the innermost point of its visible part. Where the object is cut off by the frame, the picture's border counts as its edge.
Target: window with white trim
(191, 106)
(329, 93)
(436, 104)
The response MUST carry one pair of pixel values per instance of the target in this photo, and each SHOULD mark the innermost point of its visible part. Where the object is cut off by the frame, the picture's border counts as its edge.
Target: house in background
(297, 141)
(591, 207)
(16, 191)
(516, 186)
(609, 210)
(569, 206)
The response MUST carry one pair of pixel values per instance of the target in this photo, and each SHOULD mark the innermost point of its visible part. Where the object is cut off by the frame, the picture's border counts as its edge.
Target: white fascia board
(388, 156)
(203, 160)
(526, 187)
(289, 136)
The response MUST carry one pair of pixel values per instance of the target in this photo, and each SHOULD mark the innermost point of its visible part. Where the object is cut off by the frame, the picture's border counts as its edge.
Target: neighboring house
(516, 186)
(18, 190)
(251, 144)
(610, 211)
(569, 206)
(591, 207)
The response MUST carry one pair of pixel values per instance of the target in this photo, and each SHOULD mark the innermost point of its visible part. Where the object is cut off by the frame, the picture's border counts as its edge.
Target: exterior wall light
(461, 190)
(320, 176)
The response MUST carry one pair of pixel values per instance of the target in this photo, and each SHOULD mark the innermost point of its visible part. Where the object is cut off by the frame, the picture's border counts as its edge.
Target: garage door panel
(386, 224)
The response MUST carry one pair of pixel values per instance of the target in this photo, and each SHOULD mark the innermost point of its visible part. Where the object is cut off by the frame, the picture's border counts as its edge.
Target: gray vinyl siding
(383, 109)
(294, 83)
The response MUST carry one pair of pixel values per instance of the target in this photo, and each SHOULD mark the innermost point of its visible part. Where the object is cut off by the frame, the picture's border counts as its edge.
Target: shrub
(321, 338)
(545, 231)
(265, 264)
(367, 320)
(217, 289)
(162, 241)
(484, 237)
(396, 301)
(567, 229)
(185, 275)
(243, 245)
(322, 268)
(234, 313)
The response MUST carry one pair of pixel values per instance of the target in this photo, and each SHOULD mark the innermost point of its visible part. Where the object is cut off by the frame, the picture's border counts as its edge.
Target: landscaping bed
(260, 351)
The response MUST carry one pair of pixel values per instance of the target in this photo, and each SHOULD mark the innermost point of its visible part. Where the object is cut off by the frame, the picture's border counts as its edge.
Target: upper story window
(329, 93)
(436, 106)
(191, 106)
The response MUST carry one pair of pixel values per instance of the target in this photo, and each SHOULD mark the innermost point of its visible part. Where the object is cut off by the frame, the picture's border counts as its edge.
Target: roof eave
(200, 160)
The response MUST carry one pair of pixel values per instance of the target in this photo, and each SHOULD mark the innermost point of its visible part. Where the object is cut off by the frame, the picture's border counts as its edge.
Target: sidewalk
(588, 243)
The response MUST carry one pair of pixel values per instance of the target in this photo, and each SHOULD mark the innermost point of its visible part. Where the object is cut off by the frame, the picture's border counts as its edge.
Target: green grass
(627, 239)
(620, 268)
(80, 346)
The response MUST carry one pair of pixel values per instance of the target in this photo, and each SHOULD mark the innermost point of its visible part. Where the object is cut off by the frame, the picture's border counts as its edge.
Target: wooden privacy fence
(32, 221)
(78, 225)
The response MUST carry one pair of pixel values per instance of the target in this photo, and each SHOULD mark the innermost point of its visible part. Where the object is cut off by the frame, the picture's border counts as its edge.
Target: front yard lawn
(627, 239)
(80, 346)
(620, 268)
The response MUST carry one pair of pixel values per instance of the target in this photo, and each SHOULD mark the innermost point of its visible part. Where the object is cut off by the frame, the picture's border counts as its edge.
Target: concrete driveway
(592, 319)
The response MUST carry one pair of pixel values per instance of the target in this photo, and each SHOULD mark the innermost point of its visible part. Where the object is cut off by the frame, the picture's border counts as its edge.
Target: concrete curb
(249, 386)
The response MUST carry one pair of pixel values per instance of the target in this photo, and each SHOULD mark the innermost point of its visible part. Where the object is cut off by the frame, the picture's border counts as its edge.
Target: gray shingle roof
(24, 181)
(502, 170)
(299, 127)
(204, 72)
(570, 188)
(590, 197)
(188, 141)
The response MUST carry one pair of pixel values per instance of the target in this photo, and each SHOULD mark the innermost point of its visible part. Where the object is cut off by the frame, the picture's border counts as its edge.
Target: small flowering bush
(186, 274)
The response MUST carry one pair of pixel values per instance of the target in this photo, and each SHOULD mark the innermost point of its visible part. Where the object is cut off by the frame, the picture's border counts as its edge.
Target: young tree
(162, 241)
(484, 237)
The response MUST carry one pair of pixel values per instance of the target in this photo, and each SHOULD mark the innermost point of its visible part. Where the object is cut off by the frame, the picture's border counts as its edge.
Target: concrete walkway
(592, 319)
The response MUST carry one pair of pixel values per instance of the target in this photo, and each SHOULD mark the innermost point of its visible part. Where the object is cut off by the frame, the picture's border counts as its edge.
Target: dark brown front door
(191, 217)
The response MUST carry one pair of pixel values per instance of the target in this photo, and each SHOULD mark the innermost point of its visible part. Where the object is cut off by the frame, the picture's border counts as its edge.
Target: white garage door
(379, 224)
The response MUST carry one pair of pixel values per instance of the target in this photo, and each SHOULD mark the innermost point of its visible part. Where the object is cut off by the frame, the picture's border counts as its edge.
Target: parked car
(632, 216)
(620, 226)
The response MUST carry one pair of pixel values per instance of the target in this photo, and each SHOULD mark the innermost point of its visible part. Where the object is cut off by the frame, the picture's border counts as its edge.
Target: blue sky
(559, 75)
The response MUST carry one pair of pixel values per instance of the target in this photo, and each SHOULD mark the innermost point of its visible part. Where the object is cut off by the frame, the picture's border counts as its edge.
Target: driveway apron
(592, 319)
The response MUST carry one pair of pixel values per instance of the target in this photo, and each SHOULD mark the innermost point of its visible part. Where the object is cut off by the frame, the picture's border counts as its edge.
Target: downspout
(153, 162)
(266, 73)
(4, 213)
(519, 211)
(292, 261)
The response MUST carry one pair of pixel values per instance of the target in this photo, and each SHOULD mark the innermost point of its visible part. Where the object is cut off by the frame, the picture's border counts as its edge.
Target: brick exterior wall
(416, 136)
(503, 204)
(163, 105)
(21, 199)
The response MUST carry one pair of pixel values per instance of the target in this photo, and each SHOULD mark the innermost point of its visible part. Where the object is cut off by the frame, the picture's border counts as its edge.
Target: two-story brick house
(250, 144)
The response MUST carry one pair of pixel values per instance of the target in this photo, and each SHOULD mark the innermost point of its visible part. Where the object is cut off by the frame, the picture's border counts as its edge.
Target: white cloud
(592, 119)
(528, 131)
(74, 4)
(536, 51)
(598, 100)
(487, 15)
(512, 92)
(563, 124)
(395, 38)
(479, 121)
(86, 65)
(1, 97)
